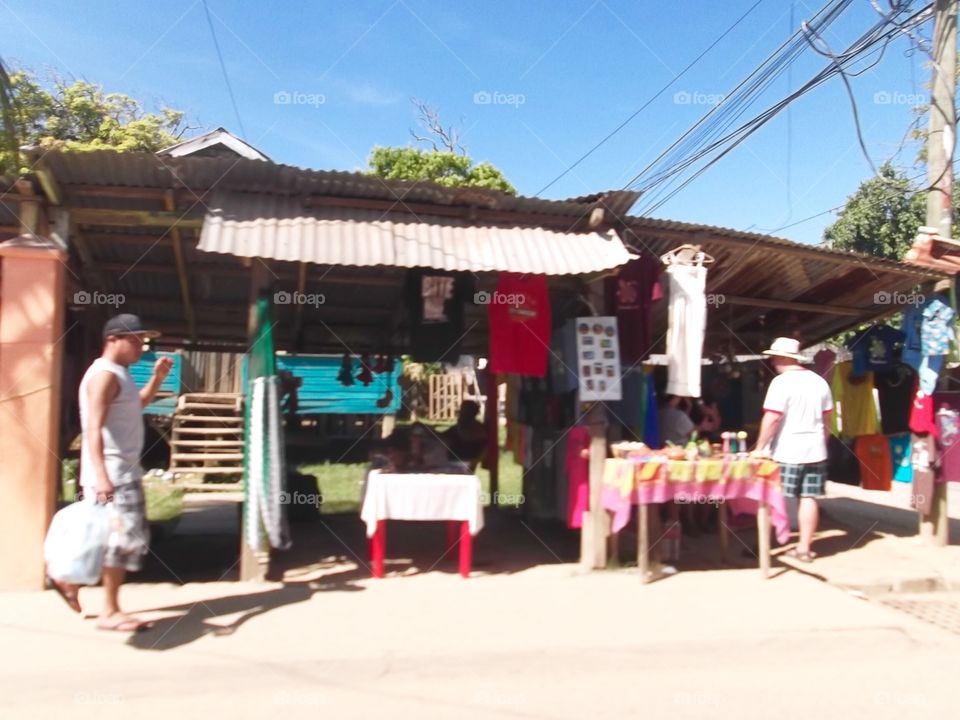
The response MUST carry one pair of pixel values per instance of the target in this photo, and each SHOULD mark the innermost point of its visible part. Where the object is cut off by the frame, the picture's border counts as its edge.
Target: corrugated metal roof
(280, 228)
(146, 170)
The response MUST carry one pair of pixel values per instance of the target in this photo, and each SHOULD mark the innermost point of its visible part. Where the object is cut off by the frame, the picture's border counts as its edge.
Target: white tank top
(122, 429)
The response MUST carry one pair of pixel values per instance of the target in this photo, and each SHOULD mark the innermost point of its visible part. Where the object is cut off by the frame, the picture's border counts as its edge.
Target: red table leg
(466, 549)
(378, 548)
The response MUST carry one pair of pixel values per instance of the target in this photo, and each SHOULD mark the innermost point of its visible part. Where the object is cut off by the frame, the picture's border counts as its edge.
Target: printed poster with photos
(598, 358)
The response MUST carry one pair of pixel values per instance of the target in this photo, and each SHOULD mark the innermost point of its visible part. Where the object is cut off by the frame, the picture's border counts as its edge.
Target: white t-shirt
(801, 397)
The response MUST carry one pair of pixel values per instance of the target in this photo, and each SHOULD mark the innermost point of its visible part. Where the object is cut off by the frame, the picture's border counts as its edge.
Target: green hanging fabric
(264, 463)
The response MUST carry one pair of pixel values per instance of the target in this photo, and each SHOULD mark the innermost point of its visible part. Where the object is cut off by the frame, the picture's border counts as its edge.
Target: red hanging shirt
(519, 317)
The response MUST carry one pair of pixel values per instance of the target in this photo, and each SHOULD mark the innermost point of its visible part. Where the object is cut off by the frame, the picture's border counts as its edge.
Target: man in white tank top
(796, 426)
(111, 417)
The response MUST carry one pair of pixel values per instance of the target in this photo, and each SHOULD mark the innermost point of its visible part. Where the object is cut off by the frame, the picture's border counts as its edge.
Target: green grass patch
(340, 483)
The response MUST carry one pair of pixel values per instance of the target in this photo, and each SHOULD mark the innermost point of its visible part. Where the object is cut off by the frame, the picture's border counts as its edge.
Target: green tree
(445, 163)
(79, 115)
(440, 166)
(881, 218)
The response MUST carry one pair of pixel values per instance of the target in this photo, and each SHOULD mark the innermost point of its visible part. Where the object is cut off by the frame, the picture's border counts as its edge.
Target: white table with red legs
(423, 497)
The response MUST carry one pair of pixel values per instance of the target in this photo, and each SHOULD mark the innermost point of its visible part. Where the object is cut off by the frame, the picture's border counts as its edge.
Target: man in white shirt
(794, 429)
(111, 416)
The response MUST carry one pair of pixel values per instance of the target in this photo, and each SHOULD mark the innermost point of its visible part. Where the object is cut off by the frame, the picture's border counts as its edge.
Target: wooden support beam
(134, 218)
(184, 279)
(126, 239)
(747, 318)
(49, 184)
(298, 309)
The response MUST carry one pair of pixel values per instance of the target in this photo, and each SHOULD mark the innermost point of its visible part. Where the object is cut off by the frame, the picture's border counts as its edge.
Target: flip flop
(72, 600)
(126, 624)
(806, 557)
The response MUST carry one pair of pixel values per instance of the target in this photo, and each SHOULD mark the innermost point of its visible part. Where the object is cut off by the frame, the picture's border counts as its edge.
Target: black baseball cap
(127, 324)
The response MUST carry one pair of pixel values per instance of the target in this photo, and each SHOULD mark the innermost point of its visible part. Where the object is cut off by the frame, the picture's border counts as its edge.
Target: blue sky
(558, 74)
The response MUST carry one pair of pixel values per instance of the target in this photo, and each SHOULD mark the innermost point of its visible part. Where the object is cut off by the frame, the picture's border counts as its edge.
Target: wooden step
(206, 406)
(210, 470)
(207, 431)
(206, 443)
(208, 418)
(212, 487)
(202, 457)
(226, 397)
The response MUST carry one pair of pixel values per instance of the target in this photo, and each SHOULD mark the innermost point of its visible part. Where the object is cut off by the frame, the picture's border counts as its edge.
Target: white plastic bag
(76, 543)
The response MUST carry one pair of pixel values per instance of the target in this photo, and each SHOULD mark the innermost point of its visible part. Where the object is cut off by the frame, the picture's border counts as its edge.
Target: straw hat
(785, 347)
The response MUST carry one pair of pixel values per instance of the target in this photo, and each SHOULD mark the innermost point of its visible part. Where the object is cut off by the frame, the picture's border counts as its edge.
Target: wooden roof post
(170, 204)
(596, 523)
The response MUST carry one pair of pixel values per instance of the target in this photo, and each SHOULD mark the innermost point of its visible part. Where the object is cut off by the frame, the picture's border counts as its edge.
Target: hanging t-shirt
(519, 318)
(435, 300)
(947, 406)
(842, 464)
(900, 457)
(875, 349)
(857, 412)
(921, 415)
(630, 296)
(936, 332)
(876, 468)
(895, 390)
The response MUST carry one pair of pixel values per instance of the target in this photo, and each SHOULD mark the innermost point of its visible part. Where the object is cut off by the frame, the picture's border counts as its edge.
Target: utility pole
(940, 146)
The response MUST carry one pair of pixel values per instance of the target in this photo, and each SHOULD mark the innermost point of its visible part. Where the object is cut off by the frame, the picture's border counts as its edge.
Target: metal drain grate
(942, 612)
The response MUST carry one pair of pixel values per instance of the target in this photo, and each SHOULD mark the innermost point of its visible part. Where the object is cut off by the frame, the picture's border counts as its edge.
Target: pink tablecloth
(742, 484)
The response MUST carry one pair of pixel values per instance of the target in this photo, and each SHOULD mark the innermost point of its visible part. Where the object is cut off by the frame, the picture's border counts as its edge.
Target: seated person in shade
(428, 450)
(675, 423)
(467, 439)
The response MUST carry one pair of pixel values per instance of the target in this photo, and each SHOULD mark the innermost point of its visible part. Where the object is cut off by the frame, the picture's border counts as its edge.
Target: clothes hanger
(687, 255)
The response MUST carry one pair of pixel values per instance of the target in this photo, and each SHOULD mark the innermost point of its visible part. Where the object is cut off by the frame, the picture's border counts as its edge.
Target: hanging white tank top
(122, 429)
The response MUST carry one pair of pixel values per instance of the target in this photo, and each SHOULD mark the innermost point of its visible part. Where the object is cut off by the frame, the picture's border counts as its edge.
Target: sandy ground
(529, 635)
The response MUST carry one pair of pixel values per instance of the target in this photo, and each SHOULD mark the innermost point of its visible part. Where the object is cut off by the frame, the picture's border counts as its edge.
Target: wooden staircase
(207, 437)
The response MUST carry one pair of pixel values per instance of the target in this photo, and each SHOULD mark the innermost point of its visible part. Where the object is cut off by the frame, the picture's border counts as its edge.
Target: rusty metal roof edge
(637, 224)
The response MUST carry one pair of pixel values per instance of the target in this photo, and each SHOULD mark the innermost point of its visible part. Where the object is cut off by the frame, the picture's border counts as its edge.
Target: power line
(650, 100)
(697, 143)
(223, 68)
(841, 207)
(735, 103)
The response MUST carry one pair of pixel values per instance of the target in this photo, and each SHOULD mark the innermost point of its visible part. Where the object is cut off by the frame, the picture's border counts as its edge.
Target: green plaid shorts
(803, 480)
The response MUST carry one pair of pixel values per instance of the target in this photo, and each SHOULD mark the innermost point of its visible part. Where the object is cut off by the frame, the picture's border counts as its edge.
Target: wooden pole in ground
(252, 567)
(941, 141)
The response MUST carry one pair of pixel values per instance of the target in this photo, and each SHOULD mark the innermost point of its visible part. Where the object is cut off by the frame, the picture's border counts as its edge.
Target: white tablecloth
(421, 496)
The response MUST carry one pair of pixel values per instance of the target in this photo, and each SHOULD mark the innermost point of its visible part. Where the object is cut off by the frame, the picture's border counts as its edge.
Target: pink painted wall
(31, 353)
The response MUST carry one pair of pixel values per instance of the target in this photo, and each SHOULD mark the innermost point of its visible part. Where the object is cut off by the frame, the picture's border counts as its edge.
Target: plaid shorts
(130, 533)
(803, 480)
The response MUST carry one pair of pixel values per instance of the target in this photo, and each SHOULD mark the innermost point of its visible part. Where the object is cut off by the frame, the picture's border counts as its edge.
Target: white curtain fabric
(687, 326)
